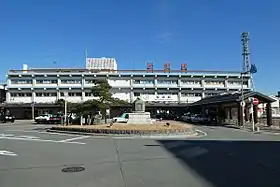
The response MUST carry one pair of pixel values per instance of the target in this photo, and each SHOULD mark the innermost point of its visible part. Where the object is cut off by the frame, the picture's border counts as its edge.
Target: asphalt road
(31, 157)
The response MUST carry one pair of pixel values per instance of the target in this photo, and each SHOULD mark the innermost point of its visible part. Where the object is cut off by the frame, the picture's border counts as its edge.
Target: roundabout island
(138, 123)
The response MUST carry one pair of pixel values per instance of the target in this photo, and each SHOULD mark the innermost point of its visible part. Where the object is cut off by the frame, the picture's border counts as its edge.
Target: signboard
(183, 67)
(150, 67)
(255, 101)
(167, 68)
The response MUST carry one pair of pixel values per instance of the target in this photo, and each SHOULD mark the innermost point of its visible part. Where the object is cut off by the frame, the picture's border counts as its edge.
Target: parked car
(198, 118)
(7, 118)
(43, 118)
(123, 119)
(187, 117)
(55, 119)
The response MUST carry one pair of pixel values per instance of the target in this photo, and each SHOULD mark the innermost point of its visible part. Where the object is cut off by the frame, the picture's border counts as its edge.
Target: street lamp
(65, 107)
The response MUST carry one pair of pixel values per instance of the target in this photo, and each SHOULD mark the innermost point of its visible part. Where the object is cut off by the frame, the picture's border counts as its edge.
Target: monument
(139, 116)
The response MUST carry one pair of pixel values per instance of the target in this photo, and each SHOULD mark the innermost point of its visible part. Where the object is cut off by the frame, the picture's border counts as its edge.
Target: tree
(102, 91)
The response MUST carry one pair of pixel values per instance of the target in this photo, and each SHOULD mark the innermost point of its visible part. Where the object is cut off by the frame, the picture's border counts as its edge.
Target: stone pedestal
(139, 118)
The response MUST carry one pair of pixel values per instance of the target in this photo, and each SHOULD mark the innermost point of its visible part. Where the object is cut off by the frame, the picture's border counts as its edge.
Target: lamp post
(65, 107)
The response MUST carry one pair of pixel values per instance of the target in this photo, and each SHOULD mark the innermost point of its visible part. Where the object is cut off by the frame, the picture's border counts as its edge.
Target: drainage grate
(73, 169)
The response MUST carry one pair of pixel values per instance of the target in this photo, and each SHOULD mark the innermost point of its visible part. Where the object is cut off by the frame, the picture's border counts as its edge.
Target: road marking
(77, 138)
(37, 140)
(29, 137)
(202, 132)
(43, 132)
(7, 153)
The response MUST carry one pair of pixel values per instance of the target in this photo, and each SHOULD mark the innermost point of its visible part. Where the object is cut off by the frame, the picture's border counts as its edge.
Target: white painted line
(39, 140)
(7, 135)
(7, 153)
(60, 134)
(29, 137)
(44, 132)
(77, 138)
(199, 131)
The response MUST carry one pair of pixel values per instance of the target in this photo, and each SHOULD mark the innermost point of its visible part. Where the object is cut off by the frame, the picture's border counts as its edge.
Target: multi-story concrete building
(49, 85)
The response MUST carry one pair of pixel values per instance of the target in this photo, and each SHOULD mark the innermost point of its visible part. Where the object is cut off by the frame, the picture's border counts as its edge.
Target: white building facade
(49, 85)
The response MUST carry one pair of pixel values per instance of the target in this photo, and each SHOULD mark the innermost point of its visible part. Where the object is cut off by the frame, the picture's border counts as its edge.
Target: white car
(44, 118)
(123, 119)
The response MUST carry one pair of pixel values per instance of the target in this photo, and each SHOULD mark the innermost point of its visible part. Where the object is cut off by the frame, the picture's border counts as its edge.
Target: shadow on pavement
(230, 163)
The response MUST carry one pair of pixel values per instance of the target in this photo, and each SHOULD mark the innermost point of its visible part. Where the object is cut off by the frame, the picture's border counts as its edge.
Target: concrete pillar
(255, 108)
(226, 83)
(8, 97)
(131, 96)
(33, 96)
(33, 81)
(202, 83)
(57, 95)
(240, 115)
(247, 114)
(179, 96)
(202, 95)
(58, 81)
(83, 95)
(230, 113)
(268, 114)
(83, 81)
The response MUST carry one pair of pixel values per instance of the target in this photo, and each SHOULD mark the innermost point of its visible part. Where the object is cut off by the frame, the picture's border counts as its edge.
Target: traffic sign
(255, 101)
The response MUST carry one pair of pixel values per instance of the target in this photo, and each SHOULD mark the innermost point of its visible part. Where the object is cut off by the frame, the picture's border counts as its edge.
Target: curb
(124, 131)
(194, 133)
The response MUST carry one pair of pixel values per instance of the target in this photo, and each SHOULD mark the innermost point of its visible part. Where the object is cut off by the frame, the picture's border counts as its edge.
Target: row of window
(79, 81)
(88, 94)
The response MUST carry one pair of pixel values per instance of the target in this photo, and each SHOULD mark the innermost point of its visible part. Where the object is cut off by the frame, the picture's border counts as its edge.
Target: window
(46, 94)
(190, 82)
(89, 94)
(167, 82)
(191, 94)
(21, 81)
(237, 83)
(21, 94)
(214, 82)
(90, 81)
(210, 94)
(71, 81)
(46, 81)
(74, 94)
(136, 94)
(143, 81)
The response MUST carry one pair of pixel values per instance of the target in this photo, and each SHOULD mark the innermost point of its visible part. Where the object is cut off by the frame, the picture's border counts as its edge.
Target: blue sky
(205, 34)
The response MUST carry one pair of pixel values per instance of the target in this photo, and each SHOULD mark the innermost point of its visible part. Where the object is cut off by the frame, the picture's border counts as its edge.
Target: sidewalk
(248, 127)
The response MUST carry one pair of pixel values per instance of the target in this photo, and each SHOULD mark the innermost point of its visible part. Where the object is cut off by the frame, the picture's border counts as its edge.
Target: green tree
(102, 91)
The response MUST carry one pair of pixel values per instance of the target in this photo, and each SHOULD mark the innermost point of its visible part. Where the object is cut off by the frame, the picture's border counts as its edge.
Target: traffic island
(157, 128)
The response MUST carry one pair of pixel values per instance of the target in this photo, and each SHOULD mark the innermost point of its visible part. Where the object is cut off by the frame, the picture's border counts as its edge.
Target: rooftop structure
(101, 63)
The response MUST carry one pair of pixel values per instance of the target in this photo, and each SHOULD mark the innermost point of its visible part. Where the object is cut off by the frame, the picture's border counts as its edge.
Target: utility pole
(65, 108)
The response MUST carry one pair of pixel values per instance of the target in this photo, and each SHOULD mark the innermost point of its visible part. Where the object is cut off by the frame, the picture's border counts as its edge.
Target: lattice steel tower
(246, 52)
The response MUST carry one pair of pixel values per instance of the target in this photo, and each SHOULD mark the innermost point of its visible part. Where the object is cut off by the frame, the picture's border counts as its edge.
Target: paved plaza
(30, 156)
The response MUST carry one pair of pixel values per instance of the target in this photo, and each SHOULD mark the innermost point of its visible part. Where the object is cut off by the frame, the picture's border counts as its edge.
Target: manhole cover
(73, 169)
